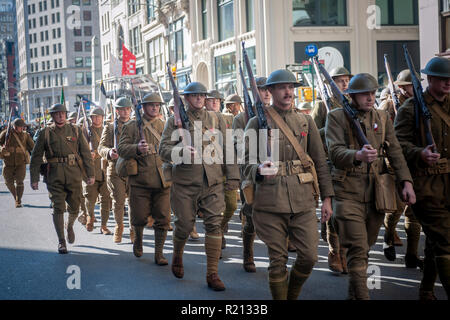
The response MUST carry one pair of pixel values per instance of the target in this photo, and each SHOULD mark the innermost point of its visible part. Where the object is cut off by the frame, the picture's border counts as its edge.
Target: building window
(249, 14)
(76, 2)
(86, 2)
(176, 45)
(87, 46)
(78, 62)
(135, 36)
(88, 31)
(88, 78)
(445, 25)
(204, 20)
(79, 78)
(394, 50)
(150, 10)
(226, 73)
(225, 13)
(133, 7)
(335, 53)
(319, 13)
(398, 12)
(87, 16)
(77, 32)
(87, 62)
(78, 46)
(155, 53)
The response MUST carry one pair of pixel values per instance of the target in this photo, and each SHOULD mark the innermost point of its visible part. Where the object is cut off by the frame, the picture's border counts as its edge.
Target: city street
(31, 268)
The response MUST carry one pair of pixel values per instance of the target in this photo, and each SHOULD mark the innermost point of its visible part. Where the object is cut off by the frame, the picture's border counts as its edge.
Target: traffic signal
(174, 72)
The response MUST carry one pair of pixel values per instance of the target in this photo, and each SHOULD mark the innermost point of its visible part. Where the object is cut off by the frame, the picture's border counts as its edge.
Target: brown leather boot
(118, 232)
(90, 223)
(397, 241)
(160, 239)
(137, 244)
(247, 241)
(214, 282)
(104, 230)
(70, 233)
(343, 255)
(177, 257)
(193, 235)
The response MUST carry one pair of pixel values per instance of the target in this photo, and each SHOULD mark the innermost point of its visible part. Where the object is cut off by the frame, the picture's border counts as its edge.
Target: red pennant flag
(128, 62)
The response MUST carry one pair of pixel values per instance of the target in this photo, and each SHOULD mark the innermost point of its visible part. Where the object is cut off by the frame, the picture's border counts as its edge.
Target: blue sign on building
(311, 50)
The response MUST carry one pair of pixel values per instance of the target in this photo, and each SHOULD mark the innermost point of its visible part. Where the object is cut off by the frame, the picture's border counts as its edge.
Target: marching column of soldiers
(319, 157)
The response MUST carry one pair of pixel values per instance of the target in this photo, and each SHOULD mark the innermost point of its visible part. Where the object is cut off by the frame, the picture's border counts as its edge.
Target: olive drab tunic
(95, 141)
(319, 115)
(107, 143)
(350, 179)
(388, 105)
(16, 154)
(62, 142)
(149, 165)
(429, 183)
(193, 174)
(286, 193)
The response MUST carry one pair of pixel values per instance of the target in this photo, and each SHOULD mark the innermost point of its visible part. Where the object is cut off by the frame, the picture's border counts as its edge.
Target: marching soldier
(149, 192)
(305, 107)
(233, 105)
(99, 188)
(16, 155)
(213, 101)
(248, 229)
(72, 117)
(68, 161)
(430, 167)
(412, 226)
(336, 254)
(356, 218)
(301, 170)
(197, 187)
(117, 186)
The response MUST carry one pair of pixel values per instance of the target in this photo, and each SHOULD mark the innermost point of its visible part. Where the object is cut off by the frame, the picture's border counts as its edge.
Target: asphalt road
(97, 268)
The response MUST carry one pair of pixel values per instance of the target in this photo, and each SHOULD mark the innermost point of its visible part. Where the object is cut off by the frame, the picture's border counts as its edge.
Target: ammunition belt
(70, 159)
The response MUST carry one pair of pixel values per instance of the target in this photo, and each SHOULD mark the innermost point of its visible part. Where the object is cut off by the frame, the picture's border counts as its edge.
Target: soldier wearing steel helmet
(277, 214)
(68, 161)
(412, 226)
(99, 188)
(117, 186)
(149, 191)
(72, 118)
(198, 186)
(15, 155)
(214, 101)
(248, 228)
(355, 217)
(430, 168)
(336, 253)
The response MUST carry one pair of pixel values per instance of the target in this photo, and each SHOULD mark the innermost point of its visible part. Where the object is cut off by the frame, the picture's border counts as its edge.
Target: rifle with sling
(248, 104)
(323, 89)
(391, 85)
(421, 109)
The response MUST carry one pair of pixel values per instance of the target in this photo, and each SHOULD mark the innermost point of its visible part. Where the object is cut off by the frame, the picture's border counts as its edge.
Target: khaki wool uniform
(230, 195)
(285, 207)
(239, 122)
(99, 188)
(355, 217)
(319, 115)
(149, 192)
(198, 187)
(64, 174)
(412, 225)
(118, 187)
(432, 186)
(14, 165)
